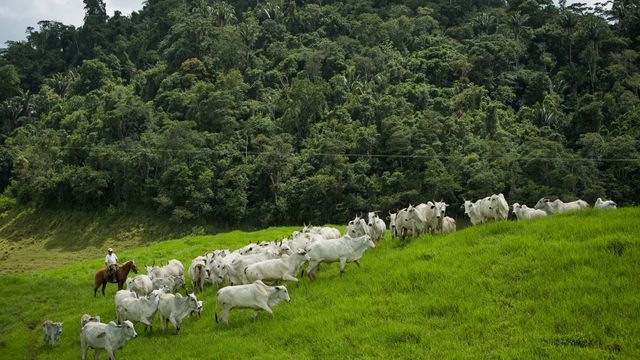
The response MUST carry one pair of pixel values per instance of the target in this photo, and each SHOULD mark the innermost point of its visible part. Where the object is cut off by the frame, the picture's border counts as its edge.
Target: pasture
(565, 286)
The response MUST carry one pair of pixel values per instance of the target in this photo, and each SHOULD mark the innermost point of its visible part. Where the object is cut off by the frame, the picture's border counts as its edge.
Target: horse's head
(134, 267)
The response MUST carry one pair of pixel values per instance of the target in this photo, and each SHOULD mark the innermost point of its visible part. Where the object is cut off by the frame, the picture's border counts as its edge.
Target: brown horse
(121, 276)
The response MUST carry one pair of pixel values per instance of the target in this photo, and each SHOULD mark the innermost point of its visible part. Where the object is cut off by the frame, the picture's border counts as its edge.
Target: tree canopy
(283, 111)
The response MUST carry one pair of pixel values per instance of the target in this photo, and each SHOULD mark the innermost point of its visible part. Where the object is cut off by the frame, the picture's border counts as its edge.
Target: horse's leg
(104, 285)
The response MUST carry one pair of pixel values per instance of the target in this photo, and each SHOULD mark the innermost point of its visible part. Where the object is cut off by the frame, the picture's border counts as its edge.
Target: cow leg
(112, 354)
(343, 264)
(311, 270)
(175, 323)
(97, 354)
(264, 306)
(255, 315)
(224, 315)
(357, 262)
(84, 347)
(288, 277)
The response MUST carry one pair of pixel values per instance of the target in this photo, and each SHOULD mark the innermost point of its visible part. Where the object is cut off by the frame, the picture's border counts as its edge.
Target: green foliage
(278, 111)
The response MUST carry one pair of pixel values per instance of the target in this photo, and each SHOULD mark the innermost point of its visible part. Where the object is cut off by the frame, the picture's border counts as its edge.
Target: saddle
(111, 273)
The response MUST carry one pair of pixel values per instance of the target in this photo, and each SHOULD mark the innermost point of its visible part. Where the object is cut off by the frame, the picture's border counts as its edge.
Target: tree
(9, 82)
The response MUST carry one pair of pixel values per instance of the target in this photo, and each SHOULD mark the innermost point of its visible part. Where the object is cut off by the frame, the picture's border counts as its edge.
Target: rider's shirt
(111, 259)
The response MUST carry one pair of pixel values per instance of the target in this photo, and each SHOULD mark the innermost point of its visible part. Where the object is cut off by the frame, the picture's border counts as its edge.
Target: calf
(357, 227)
(52, 331)
(256, 296)
(377, 227)
(448, 225)
(86, 318)
(198, 274)
(606, 204)
(392, 224)
(525, 213)
(109, 337)
(175, 308)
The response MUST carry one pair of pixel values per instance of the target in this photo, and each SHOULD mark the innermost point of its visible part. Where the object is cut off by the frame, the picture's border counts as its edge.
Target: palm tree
(484, 22)
(517, 21)
(223, 12)
(568, 21)
(594, 32)
(271, 9)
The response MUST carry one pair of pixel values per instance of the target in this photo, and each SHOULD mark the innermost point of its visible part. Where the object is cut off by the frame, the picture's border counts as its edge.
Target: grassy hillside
(44, 239)
(564, 286)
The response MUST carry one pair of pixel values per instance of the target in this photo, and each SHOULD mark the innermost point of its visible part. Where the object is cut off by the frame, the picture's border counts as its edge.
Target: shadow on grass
(75, 230)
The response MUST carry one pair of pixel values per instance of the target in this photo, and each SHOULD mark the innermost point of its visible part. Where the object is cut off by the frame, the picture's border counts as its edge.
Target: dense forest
(285, 111)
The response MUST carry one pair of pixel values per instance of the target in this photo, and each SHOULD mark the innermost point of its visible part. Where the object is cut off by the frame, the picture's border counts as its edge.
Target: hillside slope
(564, 286)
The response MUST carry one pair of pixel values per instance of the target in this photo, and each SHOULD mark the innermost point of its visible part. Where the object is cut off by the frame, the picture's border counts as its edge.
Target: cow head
(282, 293)
(440, 209)
(468, 207)
(128, 329)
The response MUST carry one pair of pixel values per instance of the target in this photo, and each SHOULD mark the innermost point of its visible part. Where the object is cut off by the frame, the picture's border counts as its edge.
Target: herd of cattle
(241, 276)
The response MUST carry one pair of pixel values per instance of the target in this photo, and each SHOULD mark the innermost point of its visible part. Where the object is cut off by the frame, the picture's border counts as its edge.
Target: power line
(324, 154)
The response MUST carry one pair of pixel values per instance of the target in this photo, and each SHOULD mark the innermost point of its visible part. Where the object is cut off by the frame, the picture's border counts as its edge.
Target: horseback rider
(111, 262)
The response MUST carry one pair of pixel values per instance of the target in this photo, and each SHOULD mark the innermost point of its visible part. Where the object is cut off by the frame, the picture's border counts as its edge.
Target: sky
(17, 15)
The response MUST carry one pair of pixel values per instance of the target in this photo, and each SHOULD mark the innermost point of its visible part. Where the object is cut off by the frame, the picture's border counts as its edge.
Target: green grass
(561, 287)
(43, 239)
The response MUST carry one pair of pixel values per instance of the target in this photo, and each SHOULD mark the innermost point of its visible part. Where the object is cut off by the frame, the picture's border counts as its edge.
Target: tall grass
(561, 287)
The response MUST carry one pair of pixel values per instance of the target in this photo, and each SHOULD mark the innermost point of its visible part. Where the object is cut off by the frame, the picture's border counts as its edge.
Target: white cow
(472, 211)
(479, 212)
(337, 250)
(557, 206)
(175, 308)
(285, 268)
(434, 214)
(198, 311)
(499, 207)
(235, 270)
(357, 227)
(605, 204)
(173, 268)
(415, 219)
(523, 212)
(197, 274)
(325, 232)
(52, 331)
(448, 225)
(392, 224)
(402, 225)
(256, 296)
(86, 318)
(124, 294)
(138, 310)
(140, 284)
(173, 283)
(109, 337)
(377, 227)
(300, 240)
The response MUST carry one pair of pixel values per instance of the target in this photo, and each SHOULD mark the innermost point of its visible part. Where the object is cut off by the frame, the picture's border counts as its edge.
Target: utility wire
(324, 154)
